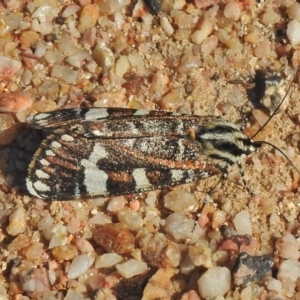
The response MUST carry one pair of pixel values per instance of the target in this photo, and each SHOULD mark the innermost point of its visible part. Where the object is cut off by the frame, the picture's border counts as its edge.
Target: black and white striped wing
(115, 122)
(69, 167)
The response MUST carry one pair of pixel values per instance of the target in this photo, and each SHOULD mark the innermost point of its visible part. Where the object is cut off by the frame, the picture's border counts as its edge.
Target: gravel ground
(195, 57)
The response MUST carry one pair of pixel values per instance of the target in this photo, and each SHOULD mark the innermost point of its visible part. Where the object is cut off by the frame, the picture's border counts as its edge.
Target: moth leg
(242, 174)
(208, 196)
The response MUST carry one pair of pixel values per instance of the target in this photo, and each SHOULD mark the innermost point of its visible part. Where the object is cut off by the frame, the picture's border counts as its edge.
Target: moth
(101, 152)
(92, 152)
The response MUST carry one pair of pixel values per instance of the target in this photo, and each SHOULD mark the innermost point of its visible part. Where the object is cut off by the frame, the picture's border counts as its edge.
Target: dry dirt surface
(185, 56)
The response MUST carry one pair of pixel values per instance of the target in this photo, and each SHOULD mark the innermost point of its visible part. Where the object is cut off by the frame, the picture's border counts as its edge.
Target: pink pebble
(14, 102)
(135, 205)
(83, 245)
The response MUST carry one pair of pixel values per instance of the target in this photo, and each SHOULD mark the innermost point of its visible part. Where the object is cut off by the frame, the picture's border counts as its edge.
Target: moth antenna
(278, 107)
(272, 115)
(278, 149)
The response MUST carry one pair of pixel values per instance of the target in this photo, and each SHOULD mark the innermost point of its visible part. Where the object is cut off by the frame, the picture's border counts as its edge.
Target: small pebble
(179, 226)
(108, 260)
(135, 205)
(287, 247)
(232, 10)
(289, 268)
(108, 7)
(207, 283)
(160, 286)
(130, 218)
(73, 295)
(205, 3)
(251, 268)
(292, 32)
(270, 17)
(274, 285)
(180, 201)
(14, 102)
(70, 10)
(83, 245)
(165, 24)
(35, 281)
(200, 255)
(73, 225)
(122, 65)
(65, 74)
(263, 49)
(159, 251)
(88, 17)
(206, 27)
(8, 67)
(294, 11)
(104, 57)
(114, 238)
(21, 241)
(99, 219)
(35, 251)
(64, 252)
(209, 44)
(28, 38)
(59, 236)
(8, 130)
(132, 268)
(190, 295)
(17, 222)
(80, 264)
(116, 204)
(242, 223)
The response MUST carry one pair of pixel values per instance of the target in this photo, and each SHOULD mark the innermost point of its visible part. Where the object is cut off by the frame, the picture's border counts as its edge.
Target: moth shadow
(16, 156)
(264, 86)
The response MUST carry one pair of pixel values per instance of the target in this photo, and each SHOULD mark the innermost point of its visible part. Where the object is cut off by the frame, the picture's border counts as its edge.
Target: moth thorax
(224, 141)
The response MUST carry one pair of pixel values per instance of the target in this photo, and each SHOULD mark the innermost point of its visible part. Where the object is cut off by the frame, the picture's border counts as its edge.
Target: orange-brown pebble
(29, 38)
(88, 17)
(8, 129)
(203, 219)
(21, 241)
(160, 285)
(250, 249)
(114, 238)
(166, 255)
(53, 265)
(66, 252)
(229, 245)
(14, 102)
(219, 218)
(135, 205)
(17, 222)
(35, 251)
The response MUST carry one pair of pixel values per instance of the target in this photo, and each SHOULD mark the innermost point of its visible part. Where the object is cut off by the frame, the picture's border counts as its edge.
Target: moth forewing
(115, 122)
(58, 118)
(106, 167)
(108, 152)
